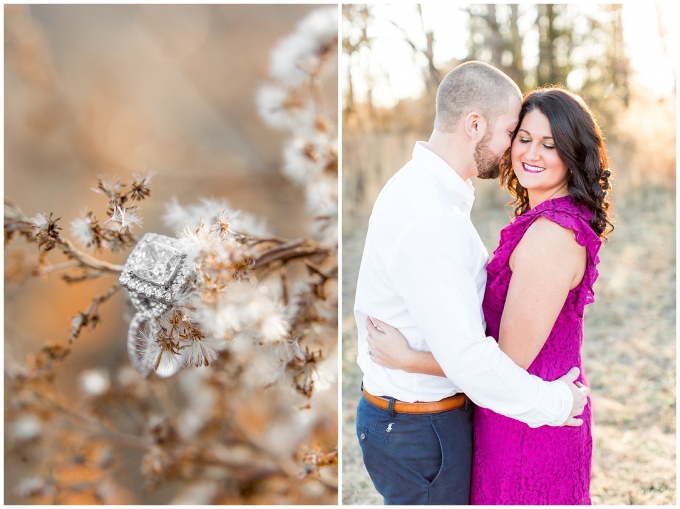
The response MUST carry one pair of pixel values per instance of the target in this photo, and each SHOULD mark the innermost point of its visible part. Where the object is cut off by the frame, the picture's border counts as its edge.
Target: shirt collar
(461, 190)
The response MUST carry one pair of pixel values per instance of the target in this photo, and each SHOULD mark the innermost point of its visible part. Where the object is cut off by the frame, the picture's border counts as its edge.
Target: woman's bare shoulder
(545, 231)
(546, 240)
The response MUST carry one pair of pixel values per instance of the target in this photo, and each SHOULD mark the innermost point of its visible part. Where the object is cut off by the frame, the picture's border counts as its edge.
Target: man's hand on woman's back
(580, 393)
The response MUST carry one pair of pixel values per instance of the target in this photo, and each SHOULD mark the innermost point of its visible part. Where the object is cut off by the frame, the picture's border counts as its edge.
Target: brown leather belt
(401, 407)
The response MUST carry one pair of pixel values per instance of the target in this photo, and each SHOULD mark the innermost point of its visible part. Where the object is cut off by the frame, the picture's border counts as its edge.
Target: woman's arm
(546, 264)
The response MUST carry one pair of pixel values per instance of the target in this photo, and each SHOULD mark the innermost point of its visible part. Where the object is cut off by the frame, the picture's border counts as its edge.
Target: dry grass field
(629, 350)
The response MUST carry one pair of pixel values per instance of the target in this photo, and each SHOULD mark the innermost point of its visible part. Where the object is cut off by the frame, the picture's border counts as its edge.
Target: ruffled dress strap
(568, 214)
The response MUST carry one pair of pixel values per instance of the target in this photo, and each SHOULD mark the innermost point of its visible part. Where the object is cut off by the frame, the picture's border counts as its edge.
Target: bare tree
(355, 18)
(433, 77)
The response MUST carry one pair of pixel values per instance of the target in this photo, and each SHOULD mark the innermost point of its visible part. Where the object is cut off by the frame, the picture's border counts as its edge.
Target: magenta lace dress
(513, 463)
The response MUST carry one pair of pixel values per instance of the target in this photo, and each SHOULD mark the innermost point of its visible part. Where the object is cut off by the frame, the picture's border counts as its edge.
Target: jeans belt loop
(390, 408)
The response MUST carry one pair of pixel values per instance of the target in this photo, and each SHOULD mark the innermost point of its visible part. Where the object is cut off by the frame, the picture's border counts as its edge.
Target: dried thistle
(87, 230)
(46, 231)
(140, 187)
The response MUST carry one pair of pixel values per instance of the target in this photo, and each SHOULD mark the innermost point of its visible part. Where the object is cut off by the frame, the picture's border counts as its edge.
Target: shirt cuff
(567, 401)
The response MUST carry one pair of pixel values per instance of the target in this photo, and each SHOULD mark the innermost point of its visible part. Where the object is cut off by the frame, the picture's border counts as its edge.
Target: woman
(538, 282)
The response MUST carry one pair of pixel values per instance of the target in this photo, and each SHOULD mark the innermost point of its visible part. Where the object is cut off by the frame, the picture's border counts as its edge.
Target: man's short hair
(473, 86)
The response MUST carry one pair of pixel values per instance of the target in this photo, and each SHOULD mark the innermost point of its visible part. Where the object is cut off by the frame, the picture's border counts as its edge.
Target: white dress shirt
(423, 271)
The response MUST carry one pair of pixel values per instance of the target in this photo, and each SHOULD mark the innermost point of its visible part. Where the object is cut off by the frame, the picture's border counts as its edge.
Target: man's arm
(432, 270)
(390, 349)
(546, 264)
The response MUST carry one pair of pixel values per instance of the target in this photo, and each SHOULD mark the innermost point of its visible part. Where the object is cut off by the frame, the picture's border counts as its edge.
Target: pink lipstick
(529, 168)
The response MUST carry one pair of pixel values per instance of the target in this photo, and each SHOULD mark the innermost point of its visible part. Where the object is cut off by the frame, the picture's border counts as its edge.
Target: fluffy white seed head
(295, 57)
(40, 221)
(26, 428)
(95, 382)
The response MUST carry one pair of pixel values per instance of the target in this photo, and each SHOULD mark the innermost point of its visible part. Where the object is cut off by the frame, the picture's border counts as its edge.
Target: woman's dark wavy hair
(579, 143)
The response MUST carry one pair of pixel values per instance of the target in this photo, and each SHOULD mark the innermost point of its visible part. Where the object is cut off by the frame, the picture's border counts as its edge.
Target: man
(423, 271)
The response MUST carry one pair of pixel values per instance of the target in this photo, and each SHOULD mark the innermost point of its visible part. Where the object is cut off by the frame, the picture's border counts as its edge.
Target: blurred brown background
(622, 59)
(122, 89)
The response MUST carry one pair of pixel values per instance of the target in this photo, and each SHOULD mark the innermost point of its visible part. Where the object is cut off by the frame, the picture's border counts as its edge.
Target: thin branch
(316, 269)
(69, 278)
(85, 259)
(293, 249)
(43, 271)
(407, 39)
(90, 317)
(16, 222)
(275, 240)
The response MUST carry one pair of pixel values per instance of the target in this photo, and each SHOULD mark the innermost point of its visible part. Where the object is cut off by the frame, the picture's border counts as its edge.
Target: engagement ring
(143, 328)
(155, 273)
(369, 349)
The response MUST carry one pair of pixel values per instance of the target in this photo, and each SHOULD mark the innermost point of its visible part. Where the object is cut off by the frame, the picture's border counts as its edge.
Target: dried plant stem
(314, 268)
(85, 259)
(273, 240)
(294, 249)
(90, 317)
(83, 277)
(43, 271)
(16, 222)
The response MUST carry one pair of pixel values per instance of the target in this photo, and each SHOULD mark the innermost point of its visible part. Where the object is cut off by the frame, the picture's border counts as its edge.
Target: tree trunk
(433, 78)
(546, 66)
(495, 37)
(516, 71)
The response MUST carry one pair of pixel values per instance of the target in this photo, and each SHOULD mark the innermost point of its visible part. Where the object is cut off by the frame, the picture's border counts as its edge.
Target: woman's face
(534, 159)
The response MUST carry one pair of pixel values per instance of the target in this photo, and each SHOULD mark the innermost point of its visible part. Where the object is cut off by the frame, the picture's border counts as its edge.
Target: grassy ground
(629, 354)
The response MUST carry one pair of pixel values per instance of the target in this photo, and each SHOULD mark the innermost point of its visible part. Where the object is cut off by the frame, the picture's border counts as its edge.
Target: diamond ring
(145, 352)
(142, 330)
(155, 273)
(369, 349)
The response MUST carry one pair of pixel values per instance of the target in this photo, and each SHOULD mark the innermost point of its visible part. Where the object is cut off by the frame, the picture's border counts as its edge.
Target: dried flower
(126, 216)
(211, 211)
(298, 56)
(140, 189)
(40, 221)
(95, 382)
(26, 428)
(161, 354)
(46, 231)
(310, 155)
(201, 352)
(313, 459)
(275, 106)
(86, 230)
(108, 186)
(29, 486)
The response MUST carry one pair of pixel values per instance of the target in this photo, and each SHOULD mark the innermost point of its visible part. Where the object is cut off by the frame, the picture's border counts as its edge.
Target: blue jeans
(417, 459)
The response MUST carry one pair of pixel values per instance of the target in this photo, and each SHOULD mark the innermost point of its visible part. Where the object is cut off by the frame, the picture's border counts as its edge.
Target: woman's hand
(387, 346)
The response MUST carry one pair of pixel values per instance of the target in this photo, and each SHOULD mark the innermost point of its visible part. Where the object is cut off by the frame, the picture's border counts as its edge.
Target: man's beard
(488, 163)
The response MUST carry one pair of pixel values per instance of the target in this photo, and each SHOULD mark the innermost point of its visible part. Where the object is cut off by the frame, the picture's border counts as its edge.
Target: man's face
(496, 141)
